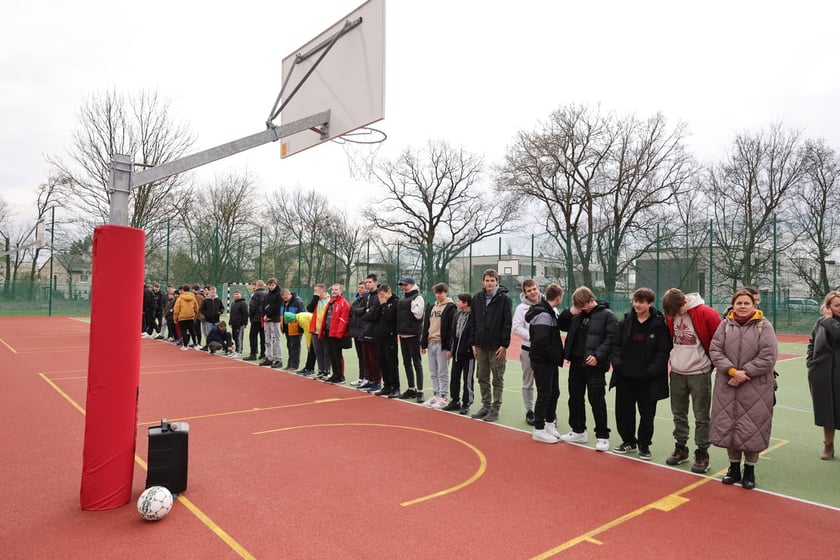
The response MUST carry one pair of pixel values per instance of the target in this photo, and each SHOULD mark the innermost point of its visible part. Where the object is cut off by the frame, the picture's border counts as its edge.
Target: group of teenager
(654, 355)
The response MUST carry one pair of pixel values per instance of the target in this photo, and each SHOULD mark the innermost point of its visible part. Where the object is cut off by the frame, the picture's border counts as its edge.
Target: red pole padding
(116, 308)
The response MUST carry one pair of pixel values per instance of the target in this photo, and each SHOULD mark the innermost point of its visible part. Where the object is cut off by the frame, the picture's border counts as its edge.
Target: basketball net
(361, 148)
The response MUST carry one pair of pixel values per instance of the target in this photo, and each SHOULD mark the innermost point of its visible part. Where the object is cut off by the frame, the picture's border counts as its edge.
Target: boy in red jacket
(692, 324)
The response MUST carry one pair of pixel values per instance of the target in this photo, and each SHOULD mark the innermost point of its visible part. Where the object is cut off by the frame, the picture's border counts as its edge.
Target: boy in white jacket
(530, 295)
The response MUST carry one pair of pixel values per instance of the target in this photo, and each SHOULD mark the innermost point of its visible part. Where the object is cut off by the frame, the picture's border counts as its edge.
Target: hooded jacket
(603, 326)
(186, 307)
(491, 321)
(545, 337)
(656, 350)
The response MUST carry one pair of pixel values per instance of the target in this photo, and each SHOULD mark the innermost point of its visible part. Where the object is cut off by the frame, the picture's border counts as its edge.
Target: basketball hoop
(361, 147)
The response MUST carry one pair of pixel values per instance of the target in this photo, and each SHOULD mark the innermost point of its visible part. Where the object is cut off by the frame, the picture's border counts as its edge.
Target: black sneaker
(266, 363)
(277, 365)
(625, 448)
(308, 372)
(383, 392)
(492, 415)
(482, 412)
(529, 417)
(644, 453)
(250, 358)
(322, 375)
(408, 394)
(465, 409)
(679, 456)
(701, 462)
(420, 398)
(335, 379)
(452, 406)
(394, 394)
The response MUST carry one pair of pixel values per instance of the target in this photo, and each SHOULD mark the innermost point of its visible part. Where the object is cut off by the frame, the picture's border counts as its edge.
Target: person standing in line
(823, 362)
(357, 308)
(149, 307)
(546, 358)
(198, 331)
(409, 329)
(691, 324)
(491, 319)
(211, 309)
(318, 308)
(640, 372)
(291, 303)
(185, 313)
(463, 361)
(530, 296)
(256, 306)
(336, 331)
(369, 315)
(271, 324)
(168, 315)
(160, 306)
(744, 351)
(238, 322)
(437, 320)
(385, 335)
(591, 328)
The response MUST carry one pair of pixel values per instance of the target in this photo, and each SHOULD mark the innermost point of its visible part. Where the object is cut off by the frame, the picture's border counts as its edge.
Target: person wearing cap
(491, 321)
(409, 327)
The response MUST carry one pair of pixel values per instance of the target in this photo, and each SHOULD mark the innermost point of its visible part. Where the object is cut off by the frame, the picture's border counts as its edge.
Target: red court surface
(287, 467)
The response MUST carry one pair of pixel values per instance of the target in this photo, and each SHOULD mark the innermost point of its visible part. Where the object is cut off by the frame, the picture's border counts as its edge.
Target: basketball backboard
(349, 81)
(509, 268)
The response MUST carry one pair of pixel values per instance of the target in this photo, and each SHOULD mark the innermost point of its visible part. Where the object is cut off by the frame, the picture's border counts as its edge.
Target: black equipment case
(168, 451)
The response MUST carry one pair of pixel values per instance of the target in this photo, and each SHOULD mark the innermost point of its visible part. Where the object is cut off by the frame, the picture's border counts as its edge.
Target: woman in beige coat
(744, 351)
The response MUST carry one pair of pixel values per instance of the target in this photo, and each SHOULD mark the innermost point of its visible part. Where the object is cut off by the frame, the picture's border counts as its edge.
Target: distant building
(71, 275)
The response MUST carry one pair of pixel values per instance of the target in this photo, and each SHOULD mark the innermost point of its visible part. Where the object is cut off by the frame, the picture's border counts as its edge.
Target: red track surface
(286, 467)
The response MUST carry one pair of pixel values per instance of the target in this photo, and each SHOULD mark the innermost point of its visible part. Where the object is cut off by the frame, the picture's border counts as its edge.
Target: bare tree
(597, 180)
(5, 234)
(815, 216)
(216, 218)
(140, 126)
(303, 234)
(749, 191)
(434, 201)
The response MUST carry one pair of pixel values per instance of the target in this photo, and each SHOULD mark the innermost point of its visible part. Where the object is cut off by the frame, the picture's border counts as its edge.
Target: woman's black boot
(749, 477)
(733, 475)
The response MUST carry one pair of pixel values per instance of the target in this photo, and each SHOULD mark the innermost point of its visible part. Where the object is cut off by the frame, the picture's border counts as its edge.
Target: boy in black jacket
(546, 355)
(385, 334)
(460, 351)
(640, 372)
(591, 328)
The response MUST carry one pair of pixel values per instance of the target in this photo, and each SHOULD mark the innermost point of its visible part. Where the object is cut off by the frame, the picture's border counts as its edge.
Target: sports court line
(482, 459)
(169, 369)
(209, 523)
(256, 409)
(6, 344)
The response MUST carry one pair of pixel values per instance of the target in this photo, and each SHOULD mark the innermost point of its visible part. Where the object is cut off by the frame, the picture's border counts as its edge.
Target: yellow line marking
(666, 504)
(7, 346)
(250, 410)
(209, 523)
(478, 473)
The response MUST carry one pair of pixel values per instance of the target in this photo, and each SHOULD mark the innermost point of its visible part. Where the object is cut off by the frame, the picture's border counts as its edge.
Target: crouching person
(219, 338)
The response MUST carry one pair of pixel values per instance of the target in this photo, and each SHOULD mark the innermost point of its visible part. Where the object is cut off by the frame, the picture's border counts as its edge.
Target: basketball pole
(113, 380)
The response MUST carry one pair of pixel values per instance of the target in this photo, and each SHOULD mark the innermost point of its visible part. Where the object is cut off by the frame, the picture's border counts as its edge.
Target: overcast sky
(469, 72)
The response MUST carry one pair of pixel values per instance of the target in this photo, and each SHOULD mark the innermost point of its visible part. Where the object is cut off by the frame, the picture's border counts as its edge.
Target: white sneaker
(431, 401)
(602, 445)
(551, 428)
(543, 436)
(144, 335)
(574, 437)
(358, 382)
(439, 403)
(185, 348)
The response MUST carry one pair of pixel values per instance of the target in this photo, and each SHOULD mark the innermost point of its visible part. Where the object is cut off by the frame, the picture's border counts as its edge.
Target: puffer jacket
(546, 341)
(186, 307)
(742, 416)
(603, 326)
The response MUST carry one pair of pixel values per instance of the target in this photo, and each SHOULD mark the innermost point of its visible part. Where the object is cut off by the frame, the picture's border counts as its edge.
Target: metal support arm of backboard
(123, 178)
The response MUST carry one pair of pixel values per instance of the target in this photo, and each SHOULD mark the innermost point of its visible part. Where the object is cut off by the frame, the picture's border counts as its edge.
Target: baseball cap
(407, 281)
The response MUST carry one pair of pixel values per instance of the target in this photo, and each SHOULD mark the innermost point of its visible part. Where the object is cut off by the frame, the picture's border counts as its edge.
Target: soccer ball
(154, 503)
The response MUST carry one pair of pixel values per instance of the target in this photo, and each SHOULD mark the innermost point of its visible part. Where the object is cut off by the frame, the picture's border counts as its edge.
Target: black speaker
(168, 454)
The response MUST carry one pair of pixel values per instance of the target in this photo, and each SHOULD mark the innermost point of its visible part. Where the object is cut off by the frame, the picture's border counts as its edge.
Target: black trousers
(336, 359)
(547, 378)
(630, 394)
(583, 381)
(357, 343)
(187, 329)
(257, 331)
(293, 350)
(388, 362)
(412, 360)
(463, 371)
(149, 321)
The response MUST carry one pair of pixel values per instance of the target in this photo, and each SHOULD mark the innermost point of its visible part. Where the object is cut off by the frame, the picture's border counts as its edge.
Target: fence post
(52, 258)
(711, 262)
(775, 268)
(260, 257)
